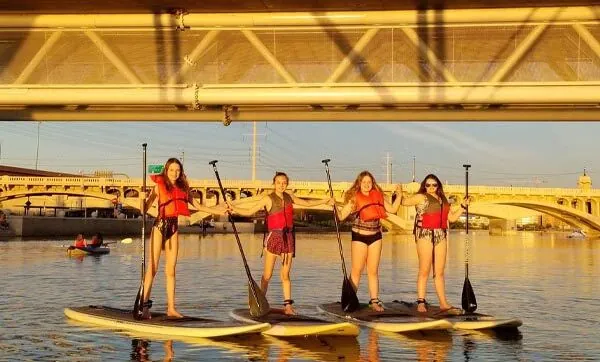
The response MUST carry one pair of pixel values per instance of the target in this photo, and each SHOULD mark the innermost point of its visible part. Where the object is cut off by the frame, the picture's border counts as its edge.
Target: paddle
(349, 298)
(123, 241)
(469, 303)
(257, 302)
(139, 299)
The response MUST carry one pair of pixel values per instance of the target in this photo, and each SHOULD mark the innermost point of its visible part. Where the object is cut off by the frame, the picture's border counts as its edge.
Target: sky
(541, 154)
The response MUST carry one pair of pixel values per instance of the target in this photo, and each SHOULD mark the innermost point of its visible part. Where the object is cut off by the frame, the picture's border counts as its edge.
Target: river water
(547, 280)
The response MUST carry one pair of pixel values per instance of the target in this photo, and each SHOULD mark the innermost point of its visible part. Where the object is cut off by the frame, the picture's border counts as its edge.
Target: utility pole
(182, 157)
(37, 149)
(388, 166)
(414, 167)
(254, 151)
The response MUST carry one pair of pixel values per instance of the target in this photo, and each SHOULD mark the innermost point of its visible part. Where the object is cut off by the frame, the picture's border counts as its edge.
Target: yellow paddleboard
(283, 325)
(122, 319)
(393, 319)
(461, 320)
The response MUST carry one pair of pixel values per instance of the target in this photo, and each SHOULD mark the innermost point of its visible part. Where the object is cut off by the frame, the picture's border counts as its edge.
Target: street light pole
(37, 149)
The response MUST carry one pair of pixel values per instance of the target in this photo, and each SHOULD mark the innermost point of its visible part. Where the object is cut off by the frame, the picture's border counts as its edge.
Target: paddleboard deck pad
(87, 251)
(283, 325)
(122, 319)
(395, 318)
(461, 320)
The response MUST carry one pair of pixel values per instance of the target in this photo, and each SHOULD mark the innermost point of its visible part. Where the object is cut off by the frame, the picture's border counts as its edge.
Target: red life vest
(281, 214)
(170, 204)
(80, 243)
(370, 207)
(435, 216)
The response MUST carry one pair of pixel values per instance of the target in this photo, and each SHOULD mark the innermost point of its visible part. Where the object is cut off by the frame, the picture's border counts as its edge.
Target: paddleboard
(122, 319)
(395, 318)
(283, 325)
(87, 251)
(471, 321)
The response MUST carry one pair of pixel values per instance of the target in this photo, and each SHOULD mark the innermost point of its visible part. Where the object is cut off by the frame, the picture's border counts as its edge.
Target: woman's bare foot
(146, 313)
(289, 310)
(376, 305)
(421, 305)
(172, 313)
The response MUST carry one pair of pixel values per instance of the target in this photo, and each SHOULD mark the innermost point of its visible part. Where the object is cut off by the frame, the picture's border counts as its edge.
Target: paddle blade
(349, 297)
(469, 303)
(127, 241)
(257, 302)
(137, 306)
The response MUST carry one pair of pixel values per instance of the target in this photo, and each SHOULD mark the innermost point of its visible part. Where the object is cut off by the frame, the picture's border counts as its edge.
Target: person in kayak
(97, 241)
(280, 240)
(433, 213)
(173, 193)
(365, 200)
(80, 242)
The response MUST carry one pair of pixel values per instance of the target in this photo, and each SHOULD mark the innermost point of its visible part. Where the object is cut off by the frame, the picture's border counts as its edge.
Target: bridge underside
(392, 65)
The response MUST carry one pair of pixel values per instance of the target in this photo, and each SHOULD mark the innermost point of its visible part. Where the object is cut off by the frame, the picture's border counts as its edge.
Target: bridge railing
(315, 185)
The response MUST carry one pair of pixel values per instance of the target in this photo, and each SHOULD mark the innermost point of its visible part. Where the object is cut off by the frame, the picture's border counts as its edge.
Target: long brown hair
(439, 191)
(181, 181)
(355, 188)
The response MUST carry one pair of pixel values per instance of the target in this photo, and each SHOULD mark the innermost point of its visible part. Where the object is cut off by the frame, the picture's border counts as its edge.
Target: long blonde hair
(355, 188)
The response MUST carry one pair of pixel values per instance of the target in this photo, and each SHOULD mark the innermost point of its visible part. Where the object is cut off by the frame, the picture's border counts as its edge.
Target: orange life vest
(170, 204)
(281, 214)
(370, 207)
(80, 243)
(435, 216)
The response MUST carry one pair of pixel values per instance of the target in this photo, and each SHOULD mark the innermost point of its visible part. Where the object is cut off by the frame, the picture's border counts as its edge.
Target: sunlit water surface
(547, 280)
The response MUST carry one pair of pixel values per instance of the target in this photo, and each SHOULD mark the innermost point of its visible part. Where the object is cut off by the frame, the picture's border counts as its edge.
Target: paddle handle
(237, 237)
(335, 219)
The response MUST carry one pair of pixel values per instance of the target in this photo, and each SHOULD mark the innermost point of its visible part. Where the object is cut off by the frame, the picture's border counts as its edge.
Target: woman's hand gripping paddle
(349, 298)
(139, 299)
(469, 303)
(259, 306)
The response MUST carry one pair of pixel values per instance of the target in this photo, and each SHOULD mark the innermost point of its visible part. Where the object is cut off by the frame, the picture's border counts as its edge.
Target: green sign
(155, 169)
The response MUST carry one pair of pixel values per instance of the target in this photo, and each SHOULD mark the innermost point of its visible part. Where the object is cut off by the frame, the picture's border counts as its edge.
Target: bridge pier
(502, 227)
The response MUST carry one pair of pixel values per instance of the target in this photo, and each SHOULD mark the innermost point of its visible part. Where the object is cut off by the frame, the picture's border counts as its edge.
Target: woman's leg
(151, 266)
(373, 258)
(171, 251)
(440, 265)
(359, 258)
(424, 252)
(286, 282)
(270, 259)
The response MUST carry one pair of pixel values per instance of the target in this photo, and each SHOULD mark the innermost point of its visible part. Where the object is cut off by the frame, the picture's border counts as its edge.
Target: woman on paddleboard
(173, 194)
(431, 236)
(280, 240)
(365, 200)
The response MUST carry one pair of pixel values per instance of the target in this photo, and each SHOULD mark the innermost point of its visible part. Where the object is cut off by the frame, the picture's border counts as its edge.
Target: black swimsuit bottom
(367, 239)
(167, 226)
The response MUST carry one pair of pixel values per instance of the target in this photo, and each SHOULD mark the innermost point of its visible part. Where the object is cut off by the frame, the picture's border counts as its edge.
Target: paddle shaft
(335, 220)
(237, 237)
(139, 299)
(467, 215)
(144, 146)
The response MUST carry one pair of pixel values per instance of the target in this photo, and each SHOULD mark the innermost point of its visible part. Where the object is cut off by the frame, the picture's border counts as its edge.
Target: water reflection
(427, 345)
(252, 348)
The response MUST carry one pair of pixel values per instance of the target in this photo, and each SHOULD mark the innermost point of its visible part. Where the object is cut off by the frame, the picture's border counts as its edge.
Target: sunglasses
(431, 185)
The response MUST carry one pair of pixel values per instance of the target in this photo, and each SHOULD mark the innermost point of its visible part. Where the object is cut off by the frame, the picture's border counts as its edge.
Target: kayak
(395, 318)
(283, 325)
(122, 319)
(470, 321)
(80, 251)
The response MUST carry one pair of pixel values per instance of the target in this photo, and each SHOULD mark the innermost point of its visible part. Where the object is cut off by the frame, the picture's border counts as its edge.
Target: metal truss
(471, 64)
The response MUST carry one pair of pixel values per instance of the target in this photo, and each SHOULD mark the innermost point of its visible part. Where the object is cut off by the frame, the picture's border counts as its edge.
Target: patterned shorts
(280, 242)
